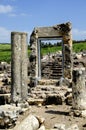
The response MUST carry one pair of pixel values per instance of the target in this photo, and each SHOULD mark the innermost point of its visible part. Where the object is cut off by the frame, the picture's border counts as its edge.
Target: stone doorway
(62, 31)
(50, 66)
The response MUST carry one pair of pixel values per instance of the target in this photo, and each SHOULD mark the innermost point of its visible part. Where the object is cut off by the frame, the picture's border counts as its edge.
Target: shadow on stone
(57, 112)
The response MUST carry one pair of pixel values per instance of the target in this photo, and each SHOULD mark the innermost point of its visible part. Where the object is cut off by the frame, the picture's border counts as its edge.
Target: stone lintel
(49, 32)
(53, 31)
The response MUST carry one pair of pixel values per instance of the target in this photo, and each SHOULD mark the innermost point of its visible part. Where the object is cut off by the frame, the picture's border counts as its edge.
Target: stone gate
(62, 31)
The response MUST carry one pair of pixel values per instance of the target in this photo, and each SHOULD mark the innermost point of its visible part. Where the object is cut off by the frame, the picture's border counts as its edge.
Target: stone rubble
(43, 94)
(8, 115)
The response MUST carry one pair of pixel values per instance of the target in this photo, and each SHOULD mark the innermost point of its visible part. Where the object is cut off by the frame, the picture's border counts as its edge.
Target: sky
(24, 15)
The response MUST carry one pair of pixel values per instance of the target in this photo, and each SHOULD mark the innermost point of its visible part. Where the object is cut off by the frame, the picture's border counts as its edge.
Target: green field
(5, 50)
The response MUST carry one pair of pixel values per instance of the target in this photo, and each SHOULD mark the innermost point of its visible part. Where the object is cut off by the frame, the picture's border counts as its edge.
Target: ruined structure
(19, 66)
(62, 31)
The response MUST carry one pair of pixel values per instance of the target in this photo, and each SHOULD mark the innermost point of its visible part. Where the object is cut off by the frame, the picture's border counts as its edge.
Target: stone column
(24, 66)
(19, 66)
(79, 89)
(67, 50)
(33, 59)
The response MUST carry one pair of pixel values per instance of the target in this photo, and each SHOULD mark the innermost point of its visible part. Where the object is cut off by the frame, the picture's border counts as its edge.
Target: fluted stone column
(79, 89)
(19, 66)
(24, 65)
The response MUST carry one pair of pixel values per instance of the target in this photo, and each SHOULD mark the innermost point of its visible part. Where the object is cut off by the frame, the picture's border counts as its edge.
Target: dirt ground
(58, 114)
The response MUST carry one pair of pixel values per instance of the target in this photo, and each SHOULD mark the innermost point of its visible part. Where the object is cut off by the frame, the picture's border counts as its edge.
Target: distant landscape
(5, 49)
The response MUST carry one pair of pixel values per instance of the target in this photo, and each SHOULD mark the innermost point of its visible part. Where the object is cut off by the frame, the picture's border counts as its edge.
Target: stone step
(56, 74)
(47, 82)
(55, 77)
(33, 101)
(54, 64)
(56, 70)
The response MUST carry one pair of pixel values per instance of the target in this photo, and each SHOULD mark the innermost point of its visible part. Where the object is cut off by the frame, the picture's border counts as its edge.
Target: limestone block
(29, 123)
(8, 115)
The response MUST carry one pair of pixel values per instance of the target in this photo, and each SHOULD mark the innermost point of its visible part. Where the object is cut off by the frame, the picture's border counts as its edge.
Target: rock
(83, 54)
(48, 106)
(77, 113)
(1, 68)
(73, 127)
(59, 126)
(68, 99)
(83, 113)
(6, 80)
(8, 115)
(78, 56)
(42, 127)
(39, 105)
(4, 66)
(43, 96)
(29, 123)
(23, 104)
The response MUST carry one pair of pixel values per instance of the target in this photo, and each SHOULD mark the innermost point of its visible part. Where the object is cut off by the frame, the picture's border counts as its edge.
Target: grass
(5, 50)
(79, 47)
(53, 49)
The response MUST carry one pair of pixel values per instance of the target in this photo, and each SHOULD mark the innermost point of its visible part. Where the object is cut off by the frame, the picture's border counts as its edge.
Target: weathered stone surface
(49, 94)
(42, 127)
(68, 99)
(63, 31)
(40, 119)
(73, 127)
(19, 66)
(83, 113)
(59, 126)
(79, 89)
(29, 123)
(8, 115)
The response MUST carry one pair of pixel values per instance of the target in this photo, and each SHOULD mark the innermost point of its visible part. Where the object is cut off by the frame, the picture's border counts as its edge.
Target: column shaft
(16, 66)
(19, 66)
(79, 89)
(24, 90)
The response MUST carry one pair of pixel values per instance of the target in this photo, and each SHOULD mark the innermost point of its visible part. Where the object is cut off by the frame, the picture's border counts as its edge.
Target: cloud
(21, 15)
(12, 15)
(4, 35)
(79, 34)
(6, 8)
